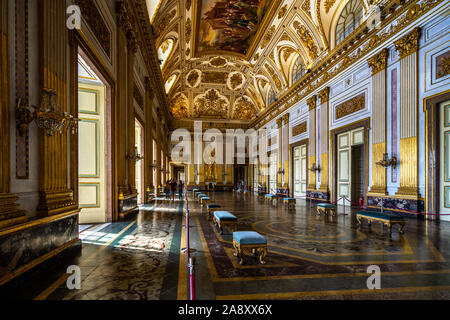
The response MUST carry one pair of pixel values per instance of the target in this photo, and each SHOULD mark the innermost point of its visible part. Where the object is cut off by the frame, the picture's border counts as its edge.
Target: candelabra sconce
(315, 168)
(153, 165)
(136, 156)
(48, 116)
(280, 171)
(386, 162)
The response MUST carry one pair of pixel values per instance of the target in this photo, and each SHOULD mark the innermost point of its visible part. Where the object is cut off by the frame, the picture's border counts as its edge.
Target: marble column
(324, 188)
(312, 103)
(378, 64)
(408, 107)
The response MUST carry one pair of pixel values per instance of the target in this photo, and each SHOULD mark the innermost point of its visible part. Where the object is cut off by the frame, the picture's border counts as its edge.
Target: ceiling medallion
(218, 62)
(193, 78)
(235, 80)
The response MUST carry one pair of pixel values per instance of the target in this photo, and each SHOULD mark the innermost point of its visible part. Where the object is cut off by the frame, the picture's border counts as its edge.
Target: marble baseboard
(318, 196)
(28, 247)
(408, 207)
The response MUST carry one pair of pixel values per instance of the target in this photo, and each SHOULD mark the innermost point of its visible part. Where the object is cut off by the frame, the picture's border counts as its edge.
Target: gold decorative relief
(282, 12)
(193, 78)
(165, 22)
(244, 109)
(267, 37)
(179, 107)
(188, 30)
(307, 40)
(211, 105)
(312, 103)
(287, 52)
(218, 62)
(188, 4)
(306, 6)
(274, 76)
(329, 4)
(443, 65)
(235, 81)
(324, 95)
(408, 44)
(299, 129)
(353, 105)
(379, 61)
(215, 77)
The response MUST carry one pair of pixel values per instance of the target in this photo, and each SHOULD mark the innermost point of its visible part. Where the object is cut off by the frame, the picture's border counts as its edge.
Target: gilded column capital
(378, 62)
(149, 88)
(409, 43)
(123, 20)
(280, 122)
(324, 95)
(285, 118)
(312, 103)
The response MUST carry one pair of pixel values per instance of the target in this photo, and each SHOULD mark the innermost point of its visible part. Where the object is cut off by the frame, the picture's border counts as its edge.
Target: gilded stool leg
(262, 255)
(402, 225)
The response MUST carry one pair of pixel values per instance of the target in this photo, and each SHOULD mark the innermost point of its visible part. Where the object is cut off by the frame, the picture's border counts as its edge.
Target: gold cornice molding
(324, 95)
(378, 62)
(285, 118)
(312, 102)
(409, 43)
(350, 44)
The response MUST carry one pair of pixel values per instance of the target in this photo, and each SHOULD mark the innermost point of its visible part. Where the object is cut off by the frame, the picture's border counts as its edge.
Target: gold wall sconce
(280, 171)
(48, 116)
(386, 162)
(315, 168)
(135, 157)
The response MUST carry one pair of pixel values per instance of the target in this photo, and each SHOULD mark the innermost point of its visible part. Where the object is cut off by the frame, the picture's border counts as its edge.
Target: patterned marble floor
(310, 257)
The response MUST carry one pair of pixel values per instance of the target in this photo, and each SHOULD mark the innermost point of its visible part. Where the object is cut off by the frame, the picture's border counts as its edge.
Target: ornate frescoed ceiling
(227, 60)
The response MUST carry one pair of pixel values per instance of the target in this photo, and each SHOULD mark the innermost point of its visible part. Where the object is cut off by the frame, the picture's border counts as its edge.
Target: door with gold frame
(91, 153)
(445, 161)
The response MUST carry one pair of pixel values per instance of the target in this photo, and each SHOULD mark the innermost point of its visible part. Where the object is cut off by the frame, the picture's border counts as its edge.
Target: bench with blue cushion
(225, 218)
(212, 207)
(290, 201)
(249, 242)
(270, 197)
(326, 208)
(205, 200)
(386, 219)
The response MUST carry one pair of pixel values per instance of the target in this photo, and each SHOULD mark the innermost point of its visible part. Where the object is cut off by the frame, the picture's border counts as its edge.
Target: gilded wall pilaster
(312, 103)
(378, 64)
(408, 107)
(324, 96)
(10, 213)
(280, 152)
(285, 150)
(148, 159)
(131, 164)
(55, 195)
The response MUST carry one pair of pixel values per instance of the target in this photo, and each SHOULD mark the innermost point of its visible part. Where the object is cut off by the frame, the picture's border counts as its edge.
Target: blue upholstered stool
(386, 219)
(326, 208)
(225, 218)
(290, 202)
(249, 242)
(212, 207)
(204, 200)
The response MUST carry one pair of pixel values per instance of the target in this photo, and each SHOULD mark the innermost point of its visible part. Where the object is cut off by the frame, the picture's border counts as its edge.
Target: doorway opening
(444, 147)
(300, 172)
(351, 166)
(94, 143)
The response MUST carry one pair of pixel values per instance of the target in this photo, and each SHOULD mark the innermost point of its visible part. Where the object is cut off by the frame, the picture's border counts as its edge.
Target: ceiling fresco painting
(228, 60)
(229, 25)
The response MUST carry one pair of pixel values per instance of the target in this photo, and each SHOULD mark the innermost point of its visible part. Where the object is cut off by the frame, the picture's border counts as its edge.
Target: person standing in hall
(173, 188)
(180, 189)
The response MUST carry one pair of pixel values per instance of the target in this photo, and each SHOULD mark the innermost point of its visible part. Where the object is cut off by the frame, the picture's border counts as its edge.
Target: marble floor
(309, 256)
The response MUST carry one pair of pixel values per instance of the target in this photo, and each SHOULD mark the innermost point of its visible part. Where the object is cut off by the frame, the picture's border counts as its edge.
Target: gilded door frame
(80, 45)
(365, 123)
(432, 143)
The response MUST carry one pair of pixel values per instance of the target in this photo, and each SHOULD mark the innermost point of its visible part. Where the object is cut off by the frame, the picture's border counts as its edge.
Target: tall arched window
(299, 69)
(164, 51)
(271, 97)
(349, 20)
